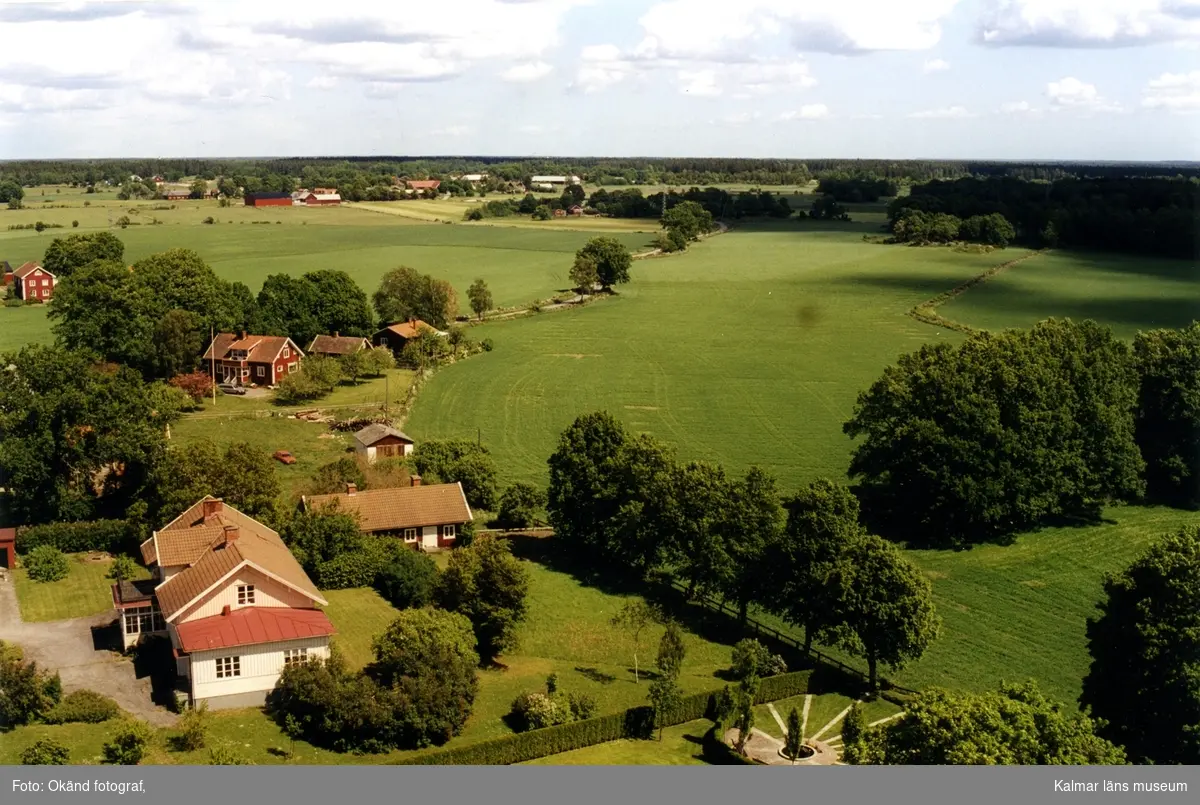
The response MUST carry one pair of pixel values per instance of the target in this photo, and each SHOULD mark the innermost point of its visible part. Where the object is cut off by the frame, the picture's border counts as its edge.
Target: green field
(24, 325)
(748, 349)
(1128, 293)
(86, 590)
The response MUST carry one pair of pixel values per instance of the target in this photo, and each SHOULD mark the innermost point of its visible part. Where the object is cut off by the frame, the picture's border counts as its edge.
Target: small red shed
(8, 547)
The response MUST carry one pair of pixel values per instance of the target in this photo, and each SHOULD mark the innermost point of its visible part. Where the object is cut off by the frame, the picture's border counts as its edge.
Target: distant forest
(370, 171)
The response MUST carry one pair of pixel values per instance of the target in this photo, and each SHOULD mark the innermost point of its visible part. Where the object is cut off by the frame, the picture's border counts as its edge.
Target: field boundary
(927, 313)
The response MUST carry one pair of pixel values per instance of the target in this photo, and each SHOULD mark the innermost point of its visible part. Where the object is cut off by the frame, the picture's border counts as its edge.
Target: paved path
(69, 647)
(834, 722)
(778, 719)
(804, 716)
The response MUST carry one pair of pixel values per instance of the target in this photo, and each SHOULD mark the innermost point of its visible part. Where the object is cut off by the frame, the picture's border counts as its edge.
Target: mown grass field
(23, 325)
(1126, 292)
(86, 590)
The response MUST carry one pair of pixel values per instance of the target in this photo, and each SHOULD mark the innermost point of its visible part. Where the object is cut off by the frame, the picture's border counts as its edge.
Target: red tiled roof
(410, 329)
(251, 626)
(259, 348)
(425, 184)
(28, 268)
(403, 507)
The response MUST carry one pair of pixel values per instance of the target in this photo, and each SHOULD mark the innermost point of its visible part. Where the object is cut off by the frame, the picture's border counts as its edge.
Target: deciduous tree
(481, 298)
(486, 583)
(634, 617)
(885, 606)
(611, 258)
(981, 440)
(66, 255)
(1016, 725)
(406, 293)
(1168, 413)
(1145, 648)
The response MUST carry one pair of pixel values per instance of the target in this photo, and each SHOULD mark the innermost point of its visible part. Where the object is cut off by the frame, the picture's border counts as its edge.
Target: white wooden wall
(260, 666)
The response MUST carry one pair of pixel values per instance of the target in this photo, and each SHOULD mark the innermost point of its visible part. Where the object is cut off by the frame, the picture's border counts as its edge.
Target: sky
(896, 79)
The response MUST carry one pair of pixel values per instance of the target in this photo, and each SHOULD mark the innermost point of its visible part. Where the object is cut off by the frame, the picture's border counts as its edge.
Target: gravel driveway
(79, 650)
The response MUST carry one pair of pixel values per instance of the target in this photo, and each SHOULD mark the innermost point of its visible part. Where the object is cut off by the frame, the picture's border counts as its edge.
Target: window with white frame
(287, 352)
(245, 373)
(410, 534)
(294, 656)
(447, 532)
(229, 667)
(261, 371)
(45, 283)
(291, 367)
(143, 621)
(245, 594)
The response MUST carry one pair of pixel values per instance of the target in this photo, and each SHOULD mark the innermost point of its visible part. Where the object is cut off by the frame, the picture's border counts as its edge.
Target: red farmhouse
(259, 360)
(31, 281)
(268, 199)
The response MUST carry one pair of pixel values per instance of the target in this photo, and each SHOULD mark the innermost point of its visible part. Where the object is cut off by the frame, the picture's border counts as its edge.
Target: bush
(123, 567)
(225, 756)
(46, 752)
(193, 728)
(537, 710)
(26, 692)
(197, 385)
(110, 536)
(128, 744)
(487, 345)
(74, 224)
(408, 580)
(520, 505)
(46, 563)
(360, 568)
(14, 302)
(82, 707)
(208, 220)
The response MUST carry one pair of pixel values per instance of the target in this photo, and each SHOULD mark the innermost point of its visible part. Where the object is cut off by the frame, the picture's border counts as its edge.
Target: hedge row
(718, 753)
(111, 536)
(636, 722)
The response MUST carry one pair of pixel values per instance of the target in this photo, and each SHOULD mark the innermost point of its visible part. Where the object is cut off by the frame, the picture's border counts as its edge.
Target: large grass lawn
(23, 325)
(1128, 293)
(85, 591)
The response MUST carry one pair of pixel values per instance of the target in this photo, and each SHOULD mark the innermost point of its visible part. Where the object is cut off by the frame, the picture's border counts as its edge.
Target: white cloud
(944, 113)
(226, 51)
(1017, 108)
(809, 111)
(1176, 92)
(935, 66)
(738, 119)
(719, 30)
(1073, 94)
(1089, 23)
(602, 66)
(526, 72)
(699, 83)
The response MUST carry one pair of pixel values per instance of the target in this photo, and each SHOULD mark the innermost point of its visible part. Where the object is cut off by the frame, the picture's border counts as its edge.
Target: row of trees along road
(623, 503)
(1008, 431)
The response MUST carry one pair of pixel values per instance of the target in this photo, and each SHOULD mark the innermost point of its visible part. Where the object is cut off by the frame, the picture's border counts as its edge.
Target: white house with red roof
(251, 360)
(237, 606)
(31, 281)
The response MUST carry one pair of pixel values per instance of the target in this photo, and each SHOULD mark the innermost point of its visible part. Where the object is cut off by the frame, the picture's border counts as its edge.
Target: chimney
(212, 508)
(412, 320)
(243, 335)
(336, 334)
(351, 490)
(231, 534)
(415, 480)
(225, 611)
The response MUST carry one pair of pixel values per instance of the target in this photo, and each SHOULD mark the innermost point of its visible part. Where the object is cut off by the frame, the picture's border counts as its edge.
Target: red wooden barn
(268, 199)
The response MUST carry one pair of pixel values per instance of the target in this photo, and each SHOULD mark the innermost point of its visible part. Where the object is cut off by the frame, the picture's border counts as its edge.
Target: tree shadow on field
(595, 675)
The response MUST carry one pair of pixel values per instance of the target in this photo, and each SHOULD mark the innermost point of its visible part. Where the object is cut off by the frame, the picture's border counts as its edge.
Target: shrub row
(636, 722)
(112, 536)
(718, 753)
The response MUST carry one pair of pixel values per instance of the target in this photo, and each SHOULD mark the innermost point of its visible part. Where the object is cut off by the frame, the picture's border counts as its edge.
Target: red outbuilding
(268, 199)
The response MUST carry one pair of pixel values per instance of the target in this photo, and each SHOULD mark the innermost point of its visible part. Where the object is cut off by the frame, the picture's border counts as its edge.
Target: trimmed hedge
(111, 536)
(636, 722)
(718, 753)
